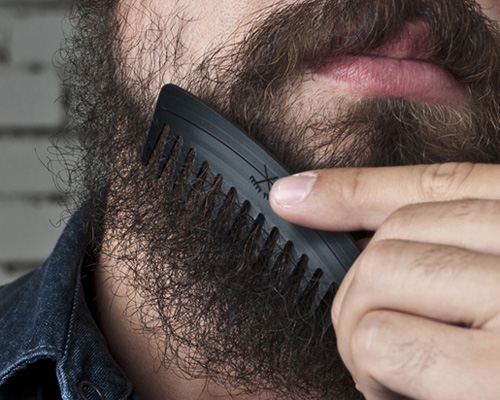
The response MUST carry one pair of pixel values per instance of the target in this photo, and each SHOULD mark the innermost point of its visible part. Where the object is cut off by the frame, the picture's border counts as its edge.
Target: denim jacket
(50, 346)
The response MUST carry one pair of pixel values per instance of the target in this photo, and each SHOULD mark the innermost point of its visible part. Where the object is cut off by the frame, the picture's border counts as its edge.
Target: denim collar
(44, 316)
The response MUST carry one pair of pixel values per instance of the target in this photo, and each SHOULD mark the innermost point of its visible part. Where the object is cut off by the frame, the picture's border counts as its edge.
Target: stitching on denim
(70, 330)
(27, 358)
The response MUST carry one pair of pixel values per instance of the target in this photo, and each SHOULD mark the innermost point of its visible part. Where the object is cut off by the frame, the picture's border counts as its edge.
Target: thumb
(348, 199)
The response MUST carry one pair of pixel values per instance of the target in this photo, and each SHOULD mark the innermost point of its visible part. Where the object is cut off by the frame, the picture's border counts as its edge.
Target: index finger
(347, 199)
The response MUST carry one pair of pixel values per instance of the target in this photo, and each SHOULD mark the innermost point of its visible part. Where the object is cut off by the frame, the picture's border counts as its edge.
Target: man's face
(204, 26)
(358, 63)
(320, 83)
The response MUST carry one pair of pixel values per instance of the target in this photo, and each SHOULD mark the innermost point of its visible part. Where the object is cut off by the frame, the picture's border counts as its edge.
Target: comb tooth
(222, 222)
(225, 213)
(168, 158)
(155, 131)
(281, 266)
(268, 249)
(309, 291)
(321, 304)
(323, 288)
(298, 274)
(197, 185)
(240, 221)
(291, 286)
(294, 274)
(181, 182)
(251, 250)
(257, 226)
(212, 197)
(287, 252)
(170, 152)
(262, 260)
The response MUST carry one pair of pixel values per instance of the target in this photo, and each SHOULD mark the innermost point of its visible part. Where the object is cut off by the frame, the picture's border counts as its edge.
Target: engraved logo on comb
(263, 185)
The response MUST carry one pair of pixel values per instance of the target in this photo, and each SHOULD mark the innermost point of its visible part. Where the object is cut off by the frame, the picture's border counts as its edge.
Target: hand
(418, 314)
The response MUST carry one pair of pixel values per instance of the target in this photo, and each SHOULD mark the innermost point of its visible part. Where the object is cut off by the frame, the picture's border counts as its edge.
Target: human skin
(207, 25)
(418, 314)
(406, 222)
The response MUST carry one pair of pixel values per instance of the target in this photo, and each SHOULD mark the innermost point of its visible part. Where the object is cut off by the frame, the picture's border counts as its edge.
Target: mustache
(462, 39)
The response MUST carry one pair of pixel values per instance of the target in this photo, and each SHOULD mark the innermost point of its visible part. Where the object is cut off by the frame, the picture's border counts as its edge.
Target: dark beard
(374, 131)
(200, 292)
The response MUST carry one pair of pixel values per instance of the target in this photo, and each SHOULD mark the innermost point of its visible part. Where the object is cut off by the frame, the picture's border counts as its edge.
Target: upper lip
(414, 42)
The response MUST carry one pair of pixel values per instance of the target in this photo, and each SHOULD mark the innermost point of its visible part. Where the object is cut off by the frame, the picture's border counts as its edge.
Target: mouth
(401, 67)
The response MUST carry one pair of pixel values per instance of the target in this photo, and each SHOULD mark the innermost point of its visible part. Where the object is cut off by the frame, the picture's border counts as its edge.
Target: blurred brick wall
(30, 113)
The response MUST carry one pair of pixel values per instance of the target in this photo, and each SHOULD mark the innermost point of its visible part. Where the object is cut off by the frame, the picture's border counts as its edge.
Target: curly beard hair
(204, 292)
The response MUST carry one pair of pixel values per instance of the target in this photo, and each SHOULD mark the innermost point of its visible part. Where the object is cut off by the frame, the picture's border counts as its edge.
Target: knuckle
(447, 262)
(380, 349)
(365, 270)
(396, 224)
(373, 263)
(444, 181)
(461, 209)
(351, 188)
(366, 345)
(366, 338)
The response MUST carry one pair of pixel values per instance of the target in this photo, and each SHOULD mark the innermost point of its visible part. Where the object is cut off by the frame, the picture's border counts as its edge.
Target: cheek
(221, 22)
(491, 8)
(154, 30)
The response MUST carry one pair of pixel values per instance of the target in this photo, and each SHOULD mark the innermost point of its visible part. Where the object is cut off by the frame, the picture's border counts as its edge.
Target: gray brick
(38, 4)
(5, 44)
(30, 100)
(23, 168)
(36, 38)
(30, 33)
(28, 233)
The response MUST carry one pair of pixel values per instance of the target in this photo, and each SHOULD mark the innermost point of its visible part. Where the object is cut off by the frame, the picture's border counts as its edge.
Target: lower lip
(392, 77)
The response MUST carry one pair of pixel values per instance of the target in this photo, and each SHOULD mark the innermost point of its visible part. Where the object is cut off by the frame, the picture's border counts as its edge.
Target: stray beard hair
(206, 299)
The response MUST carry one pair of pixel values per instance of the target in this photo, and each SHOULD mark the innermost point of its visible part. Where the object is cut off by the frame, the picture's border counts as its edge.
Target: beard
(202, 294)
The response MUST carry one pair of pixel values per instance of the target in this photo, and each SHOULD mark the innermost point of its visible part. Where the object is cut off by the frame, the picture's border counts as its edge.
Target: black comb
(247, 167)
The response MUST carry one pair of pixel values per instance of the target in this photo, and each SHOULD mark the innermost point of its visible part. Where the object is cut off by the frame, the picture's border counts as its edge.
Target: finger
(338, 301)
(423, 359)
(422, 279)
(470, 224)
(361, 198)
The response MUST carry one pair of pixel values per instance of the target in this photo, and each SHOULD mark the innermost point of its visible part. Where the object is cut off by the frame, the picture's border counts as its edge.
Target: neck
(136, 353)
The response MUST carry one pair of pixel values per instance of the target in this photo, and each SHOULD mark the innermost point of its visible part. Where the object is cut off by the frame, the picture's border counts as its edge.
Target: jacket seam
(27, 358)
